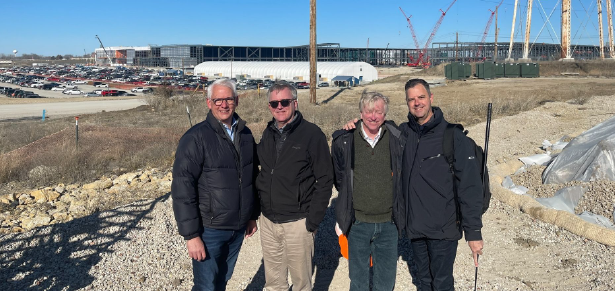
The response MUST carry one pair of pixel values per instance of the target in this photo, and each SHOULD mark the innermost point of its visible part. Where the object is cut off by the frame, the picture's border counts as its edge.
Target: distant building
(291, 71)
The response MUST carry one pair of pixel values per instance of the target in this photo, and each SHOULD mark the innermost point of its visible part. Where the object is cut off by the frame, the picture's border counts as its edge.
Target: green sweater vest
(372, 193)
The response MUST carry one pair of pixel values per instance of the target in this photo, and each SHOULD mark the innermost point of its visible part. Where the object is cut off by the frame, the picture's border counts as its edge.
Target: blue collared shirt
(231, 131)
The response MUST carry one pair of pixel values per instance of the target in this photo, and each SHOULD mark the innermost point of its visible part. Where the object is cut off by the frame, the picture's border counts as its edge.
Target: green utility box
(512, 70)
(489, 70)
(452, 71)
(457, 71)
(485, 70)
(499, 70)
(530, 70)
(480, 70)
(467, 70)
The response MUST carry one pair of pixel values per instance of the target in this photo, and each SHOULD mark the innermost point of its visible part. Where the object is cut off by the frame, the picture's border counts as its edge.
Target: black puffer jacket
(428, 183)
(296, 174)
(213, 178)
(342, 151)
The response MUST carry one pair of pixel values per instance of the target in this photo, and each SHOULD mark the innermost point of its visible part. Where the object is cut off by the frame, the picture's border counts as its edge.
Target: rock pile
(49, 205)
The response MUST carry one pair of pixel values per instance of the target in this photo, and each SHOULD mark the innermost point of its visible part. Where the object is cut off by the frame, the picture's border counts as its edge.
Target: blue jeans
(222, 248)
(434, 260)
(380, 241)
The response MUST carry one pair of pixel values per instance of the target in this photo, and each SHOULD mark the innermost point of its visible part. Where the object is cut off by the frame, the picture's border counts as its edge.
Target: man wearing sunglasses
(214, 202)
(294, 186)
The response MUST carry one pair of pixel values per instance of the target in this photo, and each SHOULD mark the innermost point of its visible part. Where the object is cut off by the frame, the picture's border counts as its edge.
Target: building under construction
(188, 56)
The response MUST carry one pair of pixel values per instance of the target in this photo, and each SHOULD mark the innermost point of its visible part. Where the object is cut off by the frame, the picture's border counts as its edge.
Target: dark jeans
(222, 248)
(434, 260)
(380, 241)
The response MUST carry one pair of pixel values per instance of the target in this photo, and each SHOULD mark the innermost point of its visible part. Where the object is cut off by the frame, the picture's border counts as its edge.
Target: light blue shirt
(231, 131)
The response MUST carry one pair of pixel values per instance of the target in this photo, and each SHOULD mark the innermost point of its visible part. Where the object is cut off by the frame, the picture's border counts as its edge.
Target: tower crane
(479, 51)
(106, 54)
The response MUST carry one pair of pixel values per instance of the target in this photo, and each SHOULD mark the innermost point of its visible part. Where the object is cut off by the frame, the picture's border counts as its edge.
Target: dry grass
(115, 142)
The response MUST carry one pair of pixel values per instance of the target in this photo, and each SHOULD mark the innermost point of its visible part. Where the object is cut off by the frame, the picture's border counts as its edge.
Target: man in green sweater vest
(370, 207)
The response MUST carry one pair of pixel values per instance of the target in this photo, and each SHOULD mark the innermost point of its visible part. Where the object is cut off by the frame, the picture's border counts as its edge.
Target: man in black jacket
(436, 215)
(370, 207)
(294, 186)
(214, 200)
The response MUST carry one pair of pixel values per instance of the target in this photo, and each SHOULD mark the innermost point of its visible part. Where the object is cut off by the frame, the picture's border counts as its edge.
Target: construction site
(423, 54)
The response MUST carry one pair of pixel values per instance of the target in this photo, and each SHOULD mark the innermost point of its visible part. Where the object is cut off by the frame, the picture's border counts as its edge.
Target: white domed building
(290, 71)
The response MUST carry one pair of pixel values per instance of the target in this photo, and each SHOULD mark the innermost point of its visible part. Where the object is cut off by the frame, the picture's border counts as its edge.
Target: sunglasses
(284, 102)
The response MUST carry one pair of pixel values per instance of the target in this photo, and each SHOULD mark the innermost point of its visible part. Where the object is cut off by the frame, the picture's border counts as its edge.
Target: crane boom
(416, 42)
(106, 54)
(479, 51)
(433, 32)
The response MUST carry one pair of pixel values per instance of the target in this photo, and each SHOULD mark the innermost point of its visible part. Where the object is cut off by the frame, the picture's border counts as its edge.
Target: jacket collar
(436, 119)
(217, 125)
(288, 128)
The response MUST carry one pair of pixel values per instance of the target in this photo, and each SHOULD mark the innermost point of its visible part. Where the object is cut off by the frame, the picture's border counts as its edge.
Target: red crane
(416, 42)
(479, 51)
(426, 63)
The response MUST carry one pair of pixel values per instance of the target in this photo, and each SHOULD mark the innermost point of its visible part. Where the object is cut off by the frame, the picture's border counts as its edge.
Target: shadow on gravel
(326, 255)
(60, 256)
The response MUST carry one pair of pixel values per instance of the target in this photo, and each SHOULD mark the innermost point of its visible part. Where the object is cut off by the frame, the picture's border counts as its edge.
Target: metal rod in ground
(77, 132)
(487, 130)
(43, 114)
(476, 273)
(189, 118)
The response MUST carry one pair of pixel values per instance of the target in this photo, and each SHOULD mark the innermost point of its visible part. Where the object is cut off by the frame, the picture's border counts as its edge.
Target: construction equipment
(106, 53)
(423, 61)
(416, 42)
(479, 51)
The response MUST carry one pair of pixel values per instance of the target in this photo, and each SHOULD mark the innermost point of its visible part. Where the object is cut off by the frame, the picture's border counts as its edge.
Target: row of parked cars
(18, 93)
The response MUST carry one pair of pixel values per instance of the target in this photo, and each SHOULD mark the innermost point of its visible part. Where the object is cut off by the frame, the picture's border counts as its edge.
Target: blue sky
(68, 27)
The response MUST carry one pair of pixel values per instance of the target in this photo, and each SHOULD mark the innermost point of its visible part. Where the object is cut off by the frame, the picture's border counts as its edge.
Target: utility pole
(600, 28)
(495, 44)
(456, 45)
(313, 81)
(528, 23)
(566, 53)
(512, 33)
(610, 27)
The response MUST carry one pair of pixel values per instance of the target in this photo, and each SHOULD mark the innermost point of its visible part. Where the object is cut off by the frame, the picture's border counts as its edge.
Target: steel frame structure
(188, 56)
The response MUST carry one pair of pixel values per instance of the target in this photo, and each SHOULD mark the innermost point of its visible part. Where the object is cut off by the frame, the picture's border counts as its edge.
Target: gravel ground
(136, 247)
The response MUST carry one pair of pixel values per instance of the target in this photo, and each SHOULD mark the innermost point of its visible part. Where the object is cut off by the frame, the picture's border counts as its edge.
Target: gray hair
(369, 98)
(228, 83)
(281, 85)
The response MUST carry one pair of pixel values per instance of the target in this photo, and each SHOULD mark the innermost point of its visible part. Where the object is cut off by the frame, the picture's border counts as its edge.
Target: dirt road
(20, 111)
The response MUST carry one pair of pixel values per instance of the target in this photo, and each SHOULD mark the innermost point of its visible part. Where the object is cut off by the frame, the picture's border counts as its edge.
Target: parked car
(323, 84)
(303, 85)
(102, 85)
(109, 93)
(148, 90)
(79, 82)
(137, 90)
(58, 88)
(91, 94)
(73, 92)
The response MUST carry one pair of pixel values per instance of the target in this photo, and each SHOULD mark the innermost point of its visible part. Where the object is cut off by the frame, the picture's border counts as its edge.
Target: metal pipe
(512, 30)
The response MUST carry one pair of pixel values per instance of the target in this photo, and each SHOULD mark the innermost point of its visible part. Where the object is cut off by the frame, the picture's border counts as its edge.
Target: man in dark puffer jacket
(213, 195)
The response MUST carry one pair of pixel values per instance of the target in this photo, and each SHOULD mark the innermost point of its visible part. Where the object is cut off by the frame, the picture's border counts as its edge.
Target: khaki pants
(287, 247)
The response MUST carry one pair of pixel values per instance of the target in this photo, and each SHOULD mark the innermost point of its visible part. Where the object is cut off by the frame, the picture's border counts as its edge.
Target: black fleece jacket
(428, 183)
(296, 174)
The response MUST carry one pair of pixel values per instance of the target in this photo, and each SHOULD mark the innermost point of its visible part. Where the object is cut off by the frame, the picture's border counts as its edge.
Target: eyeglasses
(284, 102)
(229, 101)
